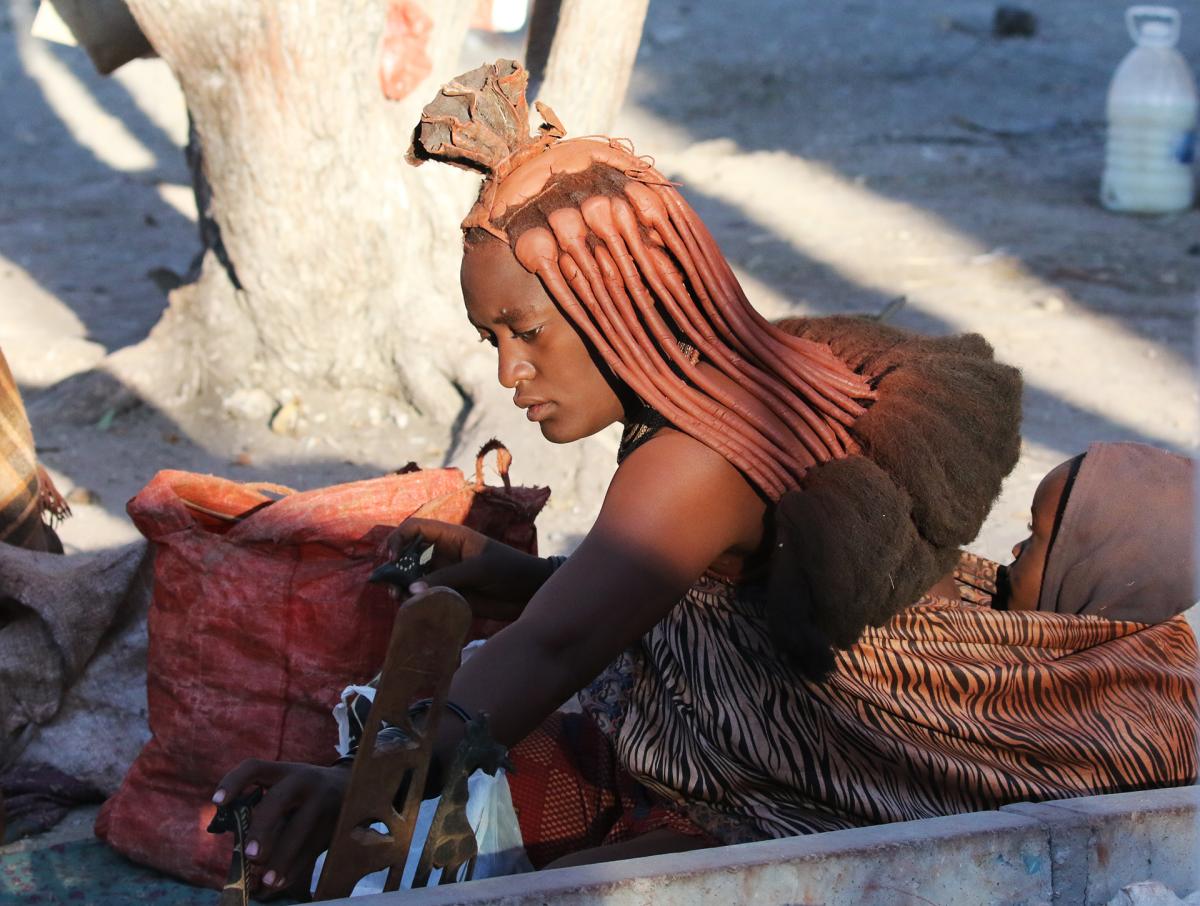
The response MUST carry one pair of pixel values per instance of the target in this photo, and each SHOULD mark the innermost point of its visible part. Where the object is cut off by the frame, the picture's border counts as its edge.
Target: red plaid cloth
(570, 793)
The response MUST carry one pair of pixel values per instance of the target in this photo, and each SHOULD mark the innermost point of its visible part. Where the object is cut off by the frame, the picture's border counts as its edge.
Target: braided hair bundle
(632, 266)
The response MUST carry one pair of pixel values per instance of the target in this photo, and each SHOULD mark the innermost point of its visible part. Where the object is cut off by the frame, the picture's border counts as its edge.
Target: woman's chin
(561, 430)
(558, 433)
(555, 433)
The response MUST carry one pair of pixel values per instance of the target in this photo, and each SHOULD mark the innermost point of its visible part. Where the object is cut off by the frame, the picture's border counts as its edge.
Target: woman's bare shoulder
(675, 479)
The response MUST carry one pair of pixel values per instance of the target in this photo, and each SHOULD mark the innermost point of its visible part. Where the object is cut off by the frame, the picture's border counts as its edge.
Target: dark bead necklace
(639, 429)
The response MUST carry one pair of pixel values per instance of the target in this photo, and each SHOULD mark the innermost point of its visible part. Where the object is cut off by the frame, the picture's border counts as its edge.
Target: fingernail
(252, 848)
(417, 587)
(269, 879)
(218, 797)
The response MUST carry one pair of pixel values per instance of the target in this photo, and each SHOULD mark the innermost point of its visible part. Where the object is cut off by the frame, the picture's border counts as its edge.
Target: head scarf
(1125, 547)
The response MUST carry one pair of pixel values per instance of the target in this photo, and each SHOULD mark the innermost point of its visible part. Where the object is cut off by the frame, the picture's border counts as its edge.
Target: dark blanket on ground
(37, 797)
(54, 611)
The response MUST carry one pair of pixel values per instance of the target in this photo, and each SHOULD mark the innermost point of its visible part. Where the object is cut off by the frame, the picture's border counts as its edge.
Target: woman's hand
(497, 580)
(295, 820)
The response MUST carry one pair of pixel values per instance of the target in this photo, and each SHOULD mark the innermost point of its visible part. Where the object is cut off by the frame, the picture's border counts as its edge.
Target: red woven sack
(260, 617)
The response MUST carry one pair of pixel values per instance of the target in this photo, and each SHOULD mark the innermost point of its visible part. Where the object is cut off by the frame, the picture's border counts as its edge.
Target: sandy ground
(843, 154)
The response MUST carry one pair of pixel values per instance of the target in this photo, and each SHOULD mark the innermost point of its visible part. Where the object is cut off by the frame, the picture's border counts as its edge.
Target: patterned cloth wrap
(570, 793)
(949, 707)
(25, 489)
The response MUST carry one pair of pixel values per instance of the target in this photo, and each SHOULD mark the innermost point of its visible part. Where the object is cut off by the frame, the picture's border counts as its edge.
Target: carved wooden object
(388, 779)
(451, 843)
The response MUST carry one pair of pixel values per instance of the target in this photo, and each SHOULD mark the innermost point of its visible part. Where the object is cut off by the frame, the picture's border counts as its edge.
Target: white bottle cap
(1153, 26)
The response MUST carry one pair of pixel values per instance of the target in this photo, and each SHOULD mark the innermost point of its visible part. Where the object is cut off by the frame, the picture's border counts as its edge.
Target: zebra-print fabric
(948, 708)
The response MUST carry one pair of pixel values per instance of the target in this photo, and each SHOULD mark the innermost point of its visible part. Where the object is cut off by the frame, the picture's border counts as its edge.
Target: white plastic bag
(489, 810)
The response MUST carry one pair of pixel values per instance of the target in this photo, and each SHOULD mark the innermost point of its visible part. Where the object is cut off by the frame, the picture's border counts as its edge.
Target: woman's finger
(431, 530)
(251, 772)
(463, 575)
(268, 817)
(315, 818)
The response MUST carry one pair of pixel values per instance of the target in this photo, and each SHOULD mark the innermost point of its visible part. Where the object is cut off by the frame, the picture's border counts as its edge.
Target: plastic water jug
(1151, 120)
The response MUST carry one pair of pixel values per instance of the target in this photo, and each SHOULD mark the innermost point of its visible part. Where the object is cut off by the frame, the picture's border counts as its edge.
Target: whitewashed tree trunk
(342, 260)
(590, 60)
(336, 267)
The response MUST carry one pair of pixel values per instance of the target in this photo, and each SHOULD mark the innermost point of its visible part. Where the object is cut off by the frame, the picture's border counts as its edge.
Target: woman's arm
(674, 507)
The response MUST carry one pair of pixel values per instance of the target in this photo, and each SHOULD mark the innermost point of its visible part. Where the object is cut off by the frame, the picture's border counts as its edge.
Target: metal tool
(235, 817)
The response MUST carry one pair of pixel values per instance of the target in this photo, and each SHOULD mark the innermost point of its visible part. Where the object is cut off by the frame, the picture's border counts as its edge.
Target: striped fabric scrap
(26, 491)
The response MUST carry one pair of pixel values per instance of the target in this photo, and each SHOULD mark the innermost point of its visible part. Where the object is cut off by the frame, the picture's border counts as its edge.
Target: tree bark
(338, 265)
(590, 60)
(330, 268)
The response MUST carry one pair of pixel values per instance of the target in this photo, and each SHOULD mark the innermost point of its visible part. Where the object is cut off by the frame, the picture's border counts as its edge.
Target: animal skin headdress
(635, 270)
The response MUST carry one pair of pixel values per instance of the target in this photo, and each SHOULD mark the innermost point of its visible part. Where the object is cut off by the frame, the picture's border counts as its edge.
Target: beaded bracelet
(420, 707)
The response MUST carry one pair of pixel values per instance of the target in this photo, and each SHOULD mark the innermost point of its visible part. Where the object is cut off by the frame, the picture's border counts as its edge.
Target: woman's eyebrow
(510, 316)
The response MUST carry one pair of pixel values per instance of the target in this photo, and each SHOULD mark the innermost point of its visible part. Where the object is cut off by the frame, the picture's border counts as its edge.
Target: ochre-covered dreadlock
(633, 268)
(636, 271)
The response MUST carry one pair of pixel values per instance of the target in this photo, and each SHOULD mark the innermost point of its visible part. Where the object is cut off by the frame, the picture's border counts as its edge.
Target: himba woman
(738, 623)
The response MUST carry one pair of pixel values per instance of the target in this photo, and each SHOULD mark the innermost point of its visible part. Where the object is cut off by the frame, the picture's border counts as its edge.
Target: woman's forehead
(496, 287)
(490, 261)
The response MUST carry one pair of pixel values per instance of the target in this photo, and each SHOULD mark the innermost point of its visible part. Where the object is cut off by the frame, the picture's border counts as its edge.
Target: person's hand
(293, 823)
(497, 580)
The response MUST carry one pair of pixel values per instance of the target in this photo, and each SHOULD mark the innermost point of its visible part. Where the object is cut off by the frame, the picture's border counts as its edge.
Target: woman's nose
(1018, 547)
(513, 368)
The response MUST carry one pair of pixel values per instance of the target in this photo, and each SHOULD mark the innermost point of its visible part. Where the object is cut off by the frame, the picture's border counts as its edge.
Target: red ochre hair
(630, 263)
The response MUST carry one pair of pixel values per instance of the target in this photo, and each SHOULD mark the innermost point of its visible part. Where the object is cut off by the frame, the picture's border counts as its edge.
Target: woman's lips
(535, 409)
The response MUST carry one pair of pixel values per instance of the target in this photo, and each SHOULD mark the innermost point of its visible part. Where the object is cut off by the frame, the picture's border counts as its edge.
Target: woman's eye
(488, 338)
(527, 335)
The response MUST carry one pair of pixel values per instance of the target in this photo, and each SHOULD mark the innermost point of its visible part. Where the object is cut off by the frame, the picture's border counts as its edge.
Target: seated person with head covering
(1111, 535)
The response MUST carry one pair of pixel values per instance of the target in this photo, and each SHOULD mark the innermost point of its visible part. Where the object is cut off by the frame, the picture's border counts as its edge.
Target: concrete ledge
(1074, 852)
(982, 858)
(1098, 844)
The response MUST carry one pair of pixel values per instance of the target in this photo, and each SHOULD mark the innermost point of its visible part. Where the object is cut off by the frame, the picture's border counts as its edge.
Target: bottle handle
(1135, 16)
